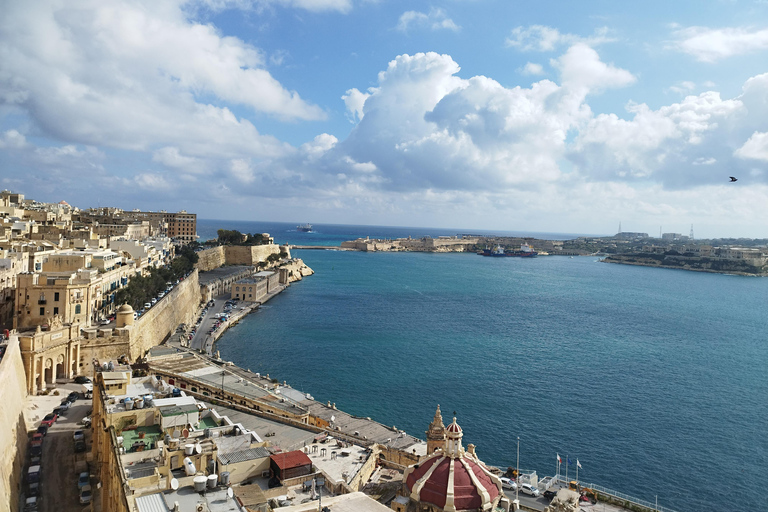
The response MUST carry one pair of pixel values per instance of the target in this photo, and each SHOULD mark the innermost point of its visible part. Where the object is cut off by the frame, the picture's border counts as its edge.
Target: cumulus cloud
(532, 68)
(12, 139)
(546, 39)
(713, 44)
(756, 147)
(128, 74)
(354, 100)
(581, 68)
(435, 19)
(309, 5)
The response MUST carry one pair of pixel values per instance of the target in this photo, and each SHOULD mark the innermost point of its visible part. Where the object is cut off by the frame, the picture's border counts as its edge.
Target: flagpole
(566, 471)
(577, 471)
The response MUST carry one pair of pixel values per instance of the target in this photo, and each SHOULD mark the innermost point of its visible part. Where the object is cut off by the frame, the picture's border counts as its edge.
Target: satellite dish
(333, 418)
(198, 448)
(174, 484)
(229, 492)
(176, 433)
(185, 433)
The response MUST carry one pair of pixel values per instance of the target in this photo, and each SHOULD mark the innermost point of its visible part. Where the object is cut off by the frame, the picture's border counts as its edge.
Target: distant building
(254, 289)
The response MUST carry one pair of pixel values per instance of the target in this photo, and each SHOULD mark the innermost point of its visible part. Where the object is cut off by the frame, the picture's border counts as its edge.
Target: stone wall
(216, 257)
(13, 435)
(179, 306)
(210, 259)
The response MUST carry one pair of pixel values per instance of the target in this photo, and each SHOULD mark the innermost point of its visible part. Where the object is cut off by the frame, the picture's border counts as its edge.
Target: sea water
(654, 379)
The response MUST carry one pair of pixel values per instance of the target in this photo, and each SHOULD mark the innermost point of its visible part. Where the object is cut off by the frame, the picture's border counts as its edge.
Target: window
(42, 311)
(56, 297)
(55, 311)
(77, 309)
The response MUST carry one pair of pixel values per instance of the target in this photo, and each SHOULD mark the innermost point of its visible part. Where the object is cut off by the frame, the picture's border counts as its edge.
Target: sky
(516, 115)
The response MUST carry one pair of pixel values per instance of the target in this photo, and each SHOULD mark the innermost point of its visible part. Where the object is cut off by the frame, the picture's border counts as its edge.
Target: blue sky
(555, 116)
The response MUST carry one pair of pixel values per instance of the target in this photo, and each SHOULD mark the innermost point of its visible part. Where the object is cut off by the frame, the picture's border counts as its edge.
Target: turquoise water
(654, 379)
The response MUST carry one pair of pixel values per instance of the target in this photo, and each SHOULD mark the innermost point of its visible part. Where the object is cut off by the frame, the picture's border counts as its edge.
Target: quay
(320, 247)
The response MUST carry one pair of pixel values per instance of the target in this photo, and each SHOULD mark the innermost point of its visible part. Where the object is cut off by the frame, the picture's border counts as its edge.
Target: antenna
(691, 235)
(659, 231)
(619, 227)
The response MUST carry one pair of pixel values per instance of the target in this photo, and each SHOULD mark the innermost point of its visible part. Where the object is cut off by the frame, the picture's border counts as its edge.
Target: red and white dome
(453, 480)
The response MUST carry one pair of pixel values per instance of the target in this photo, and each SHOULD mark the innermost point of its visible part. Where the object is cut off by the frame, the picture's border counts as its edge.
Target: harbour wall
(13, 435)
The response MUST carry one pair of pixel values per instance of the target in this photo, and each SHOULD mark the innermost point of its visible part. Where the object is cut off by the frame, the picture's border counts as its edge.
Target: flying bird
(733, 179)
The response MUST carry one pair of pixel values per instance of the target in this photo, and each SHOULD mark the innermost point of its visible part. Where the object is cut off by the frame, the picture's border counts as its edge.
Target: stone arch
(61, 371)
(48, 371)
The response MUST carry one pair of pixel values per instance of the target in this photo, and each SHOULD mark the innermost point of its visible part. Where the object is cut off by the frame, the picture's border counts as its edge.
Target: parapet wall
(210, 259)
(178, 306)
(13, 434)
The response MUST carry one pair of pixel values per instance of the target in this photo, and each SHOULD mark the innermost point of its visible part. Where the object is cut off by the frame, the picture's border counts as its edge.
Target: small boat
(304, 228)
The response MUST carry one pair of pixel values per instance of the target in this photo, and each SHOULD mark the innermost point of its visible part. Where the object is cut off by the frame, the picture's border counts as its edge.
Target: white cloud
(354, 100)
(435, 19)
(309, 5)
(12, 139)
(150, 182)
(756, 147)
(532, 68)
(241, 170)
(172, 158)
(710, 45)
(546, 39)
(581, 68)
(683, 87)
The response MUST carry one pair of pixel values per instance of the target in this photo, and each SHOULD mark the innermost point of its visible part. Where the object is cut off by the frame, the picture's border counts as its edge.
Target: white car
(507, 483)
(529, 490)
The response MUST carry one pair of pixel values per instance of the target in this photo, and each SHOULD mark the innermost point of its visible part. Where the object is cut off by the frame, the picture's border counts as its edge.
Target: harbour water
(654, 379)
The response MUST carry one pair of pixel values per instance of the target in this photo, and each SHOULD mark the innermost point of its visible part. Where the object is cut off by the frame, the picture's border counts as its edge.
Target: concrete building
(254, 289)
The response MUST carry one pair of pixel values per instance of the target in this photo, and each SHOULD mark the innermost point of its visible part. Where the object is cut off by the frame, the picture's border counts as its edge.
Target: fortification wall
(13, 435)
(178, 306)
(210, 259)
(216, 257)
(249, 255)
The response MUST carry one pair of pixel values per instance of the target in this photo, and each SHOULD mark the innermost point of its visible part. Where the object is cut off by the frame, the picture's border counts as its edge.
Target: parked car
(508, 483)
(42, 429)
(85, 495)
(64, 404)
(31, 505)
(82, 379)
(73, 396)
(60, 411)
(83, 479)
(33, 489)
(37, 438)
(147, 305)
(79, 435)
(529, 490)
(549, 495)
(80, 446)
(49, 419)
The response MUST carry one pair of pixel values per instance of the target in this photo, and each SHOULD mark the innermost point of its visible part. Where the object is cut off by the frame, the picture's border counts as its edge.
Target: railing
(619, 495)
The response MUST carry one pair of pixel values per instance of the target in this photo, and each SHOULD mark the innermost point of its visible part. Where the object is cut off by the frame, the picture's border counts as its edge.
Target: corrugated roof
(243, 455)
(292, 459)
(151, 503)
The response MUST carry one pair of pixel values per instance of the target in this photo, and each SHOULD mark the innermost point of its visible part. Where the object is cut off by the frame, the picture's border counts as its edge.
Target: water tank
(139, 403)
(189, 467)
(207, 433)
(105, 367)
(200, 483)
(110, 366)
(119, 440)
(128, 405)
(168, 439)
(212, 480)
(225, 478)
(148, 400)
(174, 444)
(189, 449)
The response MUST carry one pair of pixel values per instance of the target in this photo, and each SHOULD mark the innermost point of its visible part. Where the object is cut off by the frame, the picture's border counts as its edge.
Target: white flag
(578, 464)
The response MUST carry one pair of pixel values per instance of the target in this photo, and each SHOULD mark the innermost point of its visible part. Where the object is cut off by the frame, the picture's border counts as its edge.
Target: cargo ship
(304, 228)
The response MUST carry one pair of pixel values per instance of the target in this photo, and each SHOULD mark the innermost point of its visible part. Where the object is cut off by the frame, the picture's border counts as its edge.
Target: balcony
(42, 301)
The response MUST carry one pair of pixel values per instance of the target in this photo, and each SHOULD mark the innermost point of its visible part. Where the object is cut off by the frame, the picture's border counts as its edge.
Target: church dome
(452, 479)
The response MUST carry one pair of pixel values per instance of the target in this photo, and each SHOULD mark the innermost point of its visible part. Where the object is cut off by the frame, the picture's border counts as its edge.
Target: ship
(304, 228)
(525, 251)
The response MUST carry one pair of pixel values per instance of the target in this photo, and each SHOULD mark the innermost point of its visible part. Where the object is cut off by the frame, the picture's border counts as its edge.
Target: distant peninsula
(672, 250)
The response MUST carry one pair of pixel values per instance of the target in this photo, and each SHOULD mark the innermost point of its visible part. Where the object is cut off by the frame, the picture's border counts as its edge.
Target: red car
(37, 440)
(49, 419)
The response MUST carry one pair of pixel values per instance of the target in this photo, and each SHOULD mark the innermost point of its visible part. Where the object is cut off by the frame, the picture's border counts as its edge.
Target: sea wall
(210, 259)
(178, 306)
(13, 435)
(749, 267)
